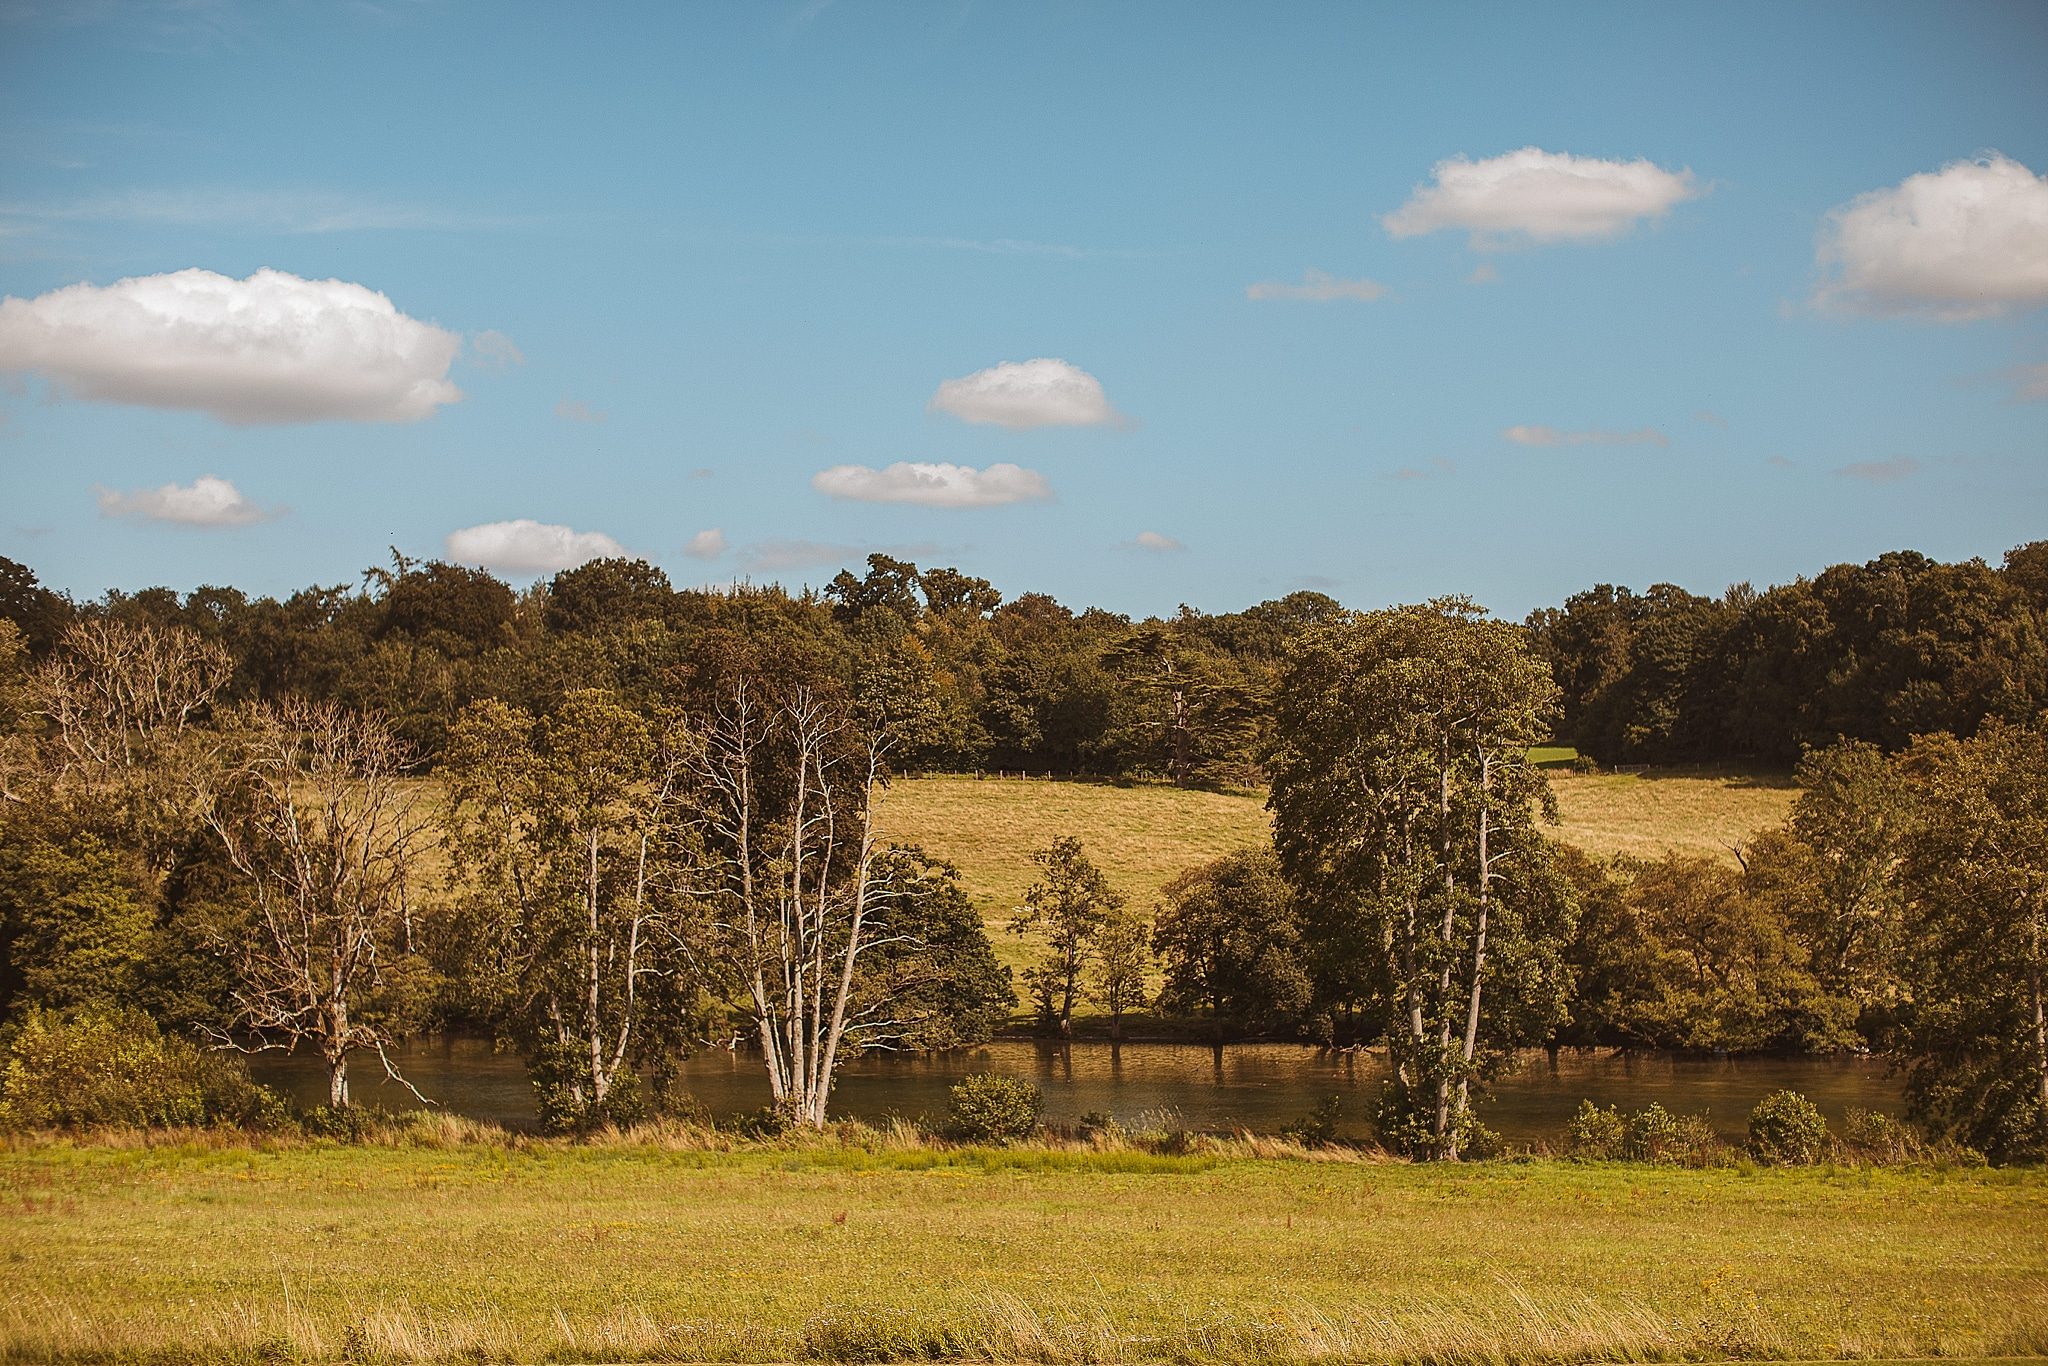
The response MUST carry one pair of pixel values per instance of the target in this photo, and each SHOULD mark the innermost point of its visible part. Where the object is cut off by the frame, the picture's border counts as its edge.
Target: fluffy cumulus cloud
(1317, 287)
(1157, 541)
(706, 545)
(933, 485)
(1021, 394)
(524, 546)
(1539, 435)
(269, 349)
(208, 501)
(1967, 241)
(1538, 196)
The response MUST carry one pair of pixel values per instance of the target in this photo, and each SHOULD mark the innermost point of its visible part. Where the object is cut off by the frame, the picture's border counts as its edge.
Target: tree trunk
(337, 1082)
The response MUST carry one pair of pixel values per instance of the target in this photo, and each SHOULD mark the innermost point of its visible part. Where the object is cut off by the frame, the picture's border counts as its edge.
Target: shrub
(100, 1065)
(1596, 1134)
(1654, 1134)
(1873, 1136)
(1787, 1129)
(1317, 1128)
(988, 1108)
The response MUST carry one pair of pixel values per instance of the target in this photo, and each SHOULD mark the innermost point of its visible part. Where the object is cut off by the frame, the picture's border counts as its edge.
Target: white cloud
(1881, 471)
(269, 349)
(706, 545)
(1317, 287)
(1967, 241)
(576, 410)
(530, 547)
(1154, 540)
(1540, 196)
(496, 351)
(1024, 394)
(1484, 273)
(208, 501)
(933, 485)
(1540, 435)
(2030, 383)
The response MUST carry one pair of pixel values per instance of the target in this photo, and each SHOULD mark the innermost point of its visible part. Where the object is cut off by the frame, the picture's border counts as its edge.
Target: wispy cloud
(1437, 468)
(494, 350)
(1317, 287)
(576, 410)
(1156, 541)
(1539, 435)
(1881, 471)
(290, 212)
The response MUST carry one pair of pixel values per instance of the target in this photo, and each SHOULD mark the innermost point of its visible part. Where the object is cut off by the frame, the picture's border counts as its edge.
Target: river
(1254, 1086)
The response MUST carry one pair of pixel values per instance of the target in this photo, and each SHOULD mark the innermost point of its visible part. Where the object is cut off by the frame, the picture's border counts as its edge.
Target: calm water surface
(1254, 1086)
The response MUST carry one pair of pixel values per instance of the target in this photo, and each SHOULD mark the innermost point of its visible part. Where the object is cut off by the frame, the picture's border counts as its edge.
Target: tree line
(1881, 652)
(648, 828)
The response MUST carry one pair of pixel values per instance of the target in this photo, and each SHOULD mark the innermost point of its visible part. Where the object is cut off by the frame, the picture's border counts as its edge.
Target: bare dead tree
(121, 705)
(315, 813)
(789, 789)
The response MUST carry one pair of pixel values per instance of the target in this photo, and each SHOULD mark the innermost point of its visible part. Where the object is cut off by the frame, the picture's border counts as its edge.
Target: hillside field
(1142, 835)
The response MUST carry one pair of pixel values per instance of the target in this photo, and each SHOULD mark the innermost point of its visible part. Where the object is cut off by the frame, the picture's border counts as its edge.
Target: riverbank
(228, 1251)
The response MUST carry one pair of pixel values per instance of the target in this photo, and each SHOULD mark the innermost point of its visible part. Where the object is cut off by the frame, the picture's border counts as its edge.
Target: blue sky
(1763, 299)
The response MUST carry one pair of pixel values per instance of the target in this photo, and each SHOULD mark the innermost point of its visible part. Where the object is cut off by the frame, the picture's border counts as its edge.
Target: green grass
(553, 1252)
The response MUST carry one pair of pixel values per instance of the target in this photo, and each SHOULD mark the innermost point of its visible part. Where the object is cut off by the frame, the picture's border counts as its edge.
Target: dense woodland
(606, 822)
(1884, 651)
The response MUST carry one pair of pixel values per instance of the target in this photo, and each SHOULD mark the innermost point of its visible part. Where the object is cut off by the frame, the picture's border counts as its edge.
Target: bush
(1317, 1128)
(100, 1065)
(1596, 1134)
(1873, 1136)
(987, 1108)
(1787, 1129)
(1654, 1134)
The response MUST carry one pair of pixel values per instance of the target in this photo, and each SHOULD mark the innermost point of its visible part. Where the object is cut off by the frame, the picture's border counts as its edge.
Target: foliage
(1229, 943)
(934, 968)
(1596, 1134)
(1317, 1128)
(102, 1065)
(1404, 815)
(1787, 1129)
(1710, 964)
(1068, 905)
(986, 1107)
(1975, 883)
(576, 935)
(1123, 961)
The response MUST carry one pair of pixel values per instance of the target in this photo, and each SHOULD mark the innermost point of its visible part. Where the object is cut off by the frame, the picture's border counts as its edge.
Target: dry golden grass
(633, 1250)
(1142, 835)
(1649, 815)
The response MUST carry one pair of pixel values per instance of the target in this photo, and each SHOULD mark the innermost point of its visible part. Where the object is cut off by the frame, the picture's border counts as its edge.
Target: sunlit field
(551, 1252)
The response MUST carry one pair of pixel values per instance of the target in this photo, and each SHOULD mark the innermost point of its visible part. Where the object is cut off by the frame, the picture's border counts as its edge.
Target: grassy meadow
(620, 1251)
